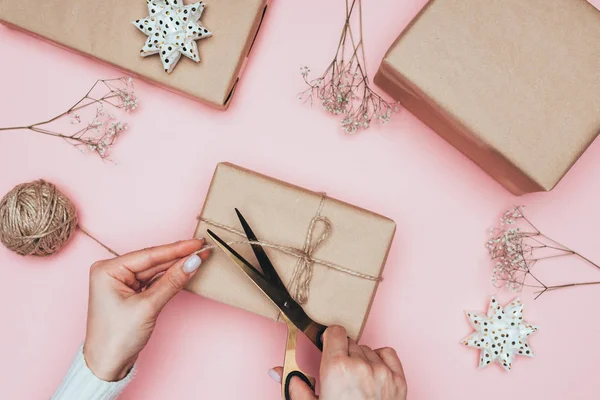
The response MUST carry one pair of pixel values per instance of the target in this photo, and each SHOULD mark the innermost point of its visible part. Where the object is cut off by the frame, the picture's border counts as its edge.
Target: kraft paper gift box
(104, 31)
(512, 84)
(281, 214)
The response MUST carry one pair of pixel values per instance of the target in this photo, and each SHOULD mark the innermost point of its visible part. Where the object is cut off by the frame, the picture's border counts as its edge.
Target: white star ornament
(172, 29)
(501, 334)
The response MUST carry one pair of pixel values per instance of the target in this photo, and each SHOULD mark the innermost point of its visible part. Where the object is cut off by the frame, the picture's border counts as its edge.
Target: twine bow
(299, 284)
(303, 271)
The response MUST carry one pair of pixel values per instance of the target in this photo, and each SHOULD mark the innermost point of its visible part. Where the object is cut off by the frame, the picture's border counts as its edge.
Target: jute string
(299, 284)
(37, 219)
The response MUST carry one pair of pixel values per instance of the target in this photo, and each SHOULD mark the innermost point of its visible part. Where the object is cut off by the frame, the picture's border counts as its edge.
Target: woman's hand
(123, 309)
(353, 372)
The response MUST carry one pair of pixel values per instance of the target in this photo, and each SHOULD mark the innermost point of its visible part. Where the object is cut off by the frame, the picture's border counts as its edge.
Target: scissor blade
(265, 264)
(276, 295)
(281, 298)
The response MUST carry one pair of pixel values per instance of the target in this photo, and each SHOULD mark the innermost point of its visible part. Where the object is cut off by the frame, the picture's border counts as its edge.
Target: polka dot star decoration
(501, 334)
(172, 29)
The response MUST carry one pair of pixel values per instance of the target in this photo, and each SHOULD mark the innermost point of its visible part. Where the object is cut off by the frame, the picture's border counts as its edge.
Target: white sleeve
(81, 383)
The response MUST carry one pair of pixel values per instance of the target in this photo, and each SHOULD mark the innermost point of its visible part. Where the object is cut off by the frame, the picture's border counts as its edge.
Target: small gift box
(513, 84)
(103, 30)
(329, 254)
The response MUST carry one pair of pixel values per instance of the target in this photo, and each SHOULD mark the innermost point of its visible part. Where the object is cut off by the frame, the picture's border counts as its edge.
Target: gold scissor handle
(290, 366)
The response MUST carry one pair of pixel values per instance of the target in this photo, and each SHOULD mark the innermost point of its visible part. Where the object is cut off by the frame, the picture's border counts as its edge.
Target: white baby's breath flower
(75, 118)
(100, 131)
(515, 249)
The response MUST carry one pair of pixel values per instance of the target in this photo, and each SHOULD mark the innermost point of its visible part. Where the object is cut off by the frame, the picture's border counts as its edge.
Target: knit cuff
(81, 383)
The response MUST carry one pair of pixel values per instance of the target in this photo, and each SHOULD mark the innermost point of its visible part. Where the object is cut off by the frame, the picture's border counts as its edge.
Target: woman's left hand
(123, 309)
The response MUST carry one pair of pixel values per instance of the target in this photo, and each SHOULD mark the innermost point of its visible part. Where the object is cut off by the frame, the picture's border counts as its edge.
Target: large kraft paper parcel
(104, 31)
(281, 214)
(512, 84)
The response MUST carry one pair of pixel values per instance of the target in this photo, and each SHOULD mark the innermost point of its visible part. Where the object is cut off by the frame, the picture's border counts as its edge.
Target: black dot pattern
(500, 334)
(172, 29)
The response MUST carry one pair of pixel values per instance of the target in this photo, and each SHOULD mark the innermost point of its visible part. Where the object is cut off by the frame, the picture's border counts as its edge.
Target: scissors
(293, 315)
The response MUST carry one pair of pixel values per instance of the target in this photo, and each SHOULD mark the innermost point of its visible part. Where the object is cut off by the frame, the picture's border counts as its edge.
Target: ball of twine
(36, 219)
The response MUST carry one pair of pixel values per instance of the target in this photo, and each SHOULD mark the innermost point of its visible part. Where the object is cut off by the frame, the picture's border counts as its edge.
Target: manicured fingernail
(192, 264)
(274, 375)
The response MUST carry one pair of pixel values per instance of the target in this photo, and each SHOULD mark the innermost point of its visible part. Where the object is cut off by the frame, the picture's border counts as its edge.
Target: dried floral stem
(560, 247)
(550, 288)
(117, 93)
(343, 89)
(515, 250)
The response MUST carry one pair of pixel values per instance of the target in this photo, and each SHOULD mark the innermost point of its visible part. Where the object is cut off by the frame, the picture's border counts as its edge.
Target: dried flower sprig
(103, 129)
(517, 246)
(344, 88)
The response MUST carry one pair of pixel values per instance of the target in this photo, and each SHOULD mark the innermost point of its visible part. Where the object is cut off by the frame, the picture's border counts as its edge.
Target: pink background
(438, 266)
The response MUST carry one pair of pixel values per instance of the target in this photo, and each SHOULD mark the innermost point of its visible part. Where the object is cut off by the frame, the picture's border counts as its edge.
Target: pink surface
(441, 202)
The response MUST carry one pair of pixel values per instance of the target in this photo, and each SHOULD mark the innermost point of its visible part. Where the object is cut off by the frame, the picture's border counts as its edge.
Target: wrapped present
(512, 84)
(329, 254)
(209, 41)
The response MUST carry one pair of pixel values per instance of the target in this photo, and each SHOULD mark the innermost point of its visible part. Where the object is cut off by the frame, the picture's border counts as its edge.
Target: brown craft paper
(513, 84)
(281, 213)
(103, 30)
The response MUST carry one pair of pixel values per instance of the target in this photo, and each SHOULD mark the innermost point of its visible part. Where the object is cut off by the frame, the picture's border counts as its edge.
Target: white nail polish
(192, 264)
(274, 375)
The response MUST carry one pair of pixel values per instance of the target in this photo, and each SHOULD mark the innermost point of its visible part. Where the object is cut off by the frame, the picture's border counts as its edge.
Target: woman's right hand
(124, 304)
(353, 372)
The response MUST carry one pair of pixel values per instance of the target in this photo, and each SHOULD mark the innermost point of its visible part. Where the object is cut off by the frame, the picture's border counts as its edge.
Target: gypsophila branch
(517, 246)
(103, 128)
(344, 88)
